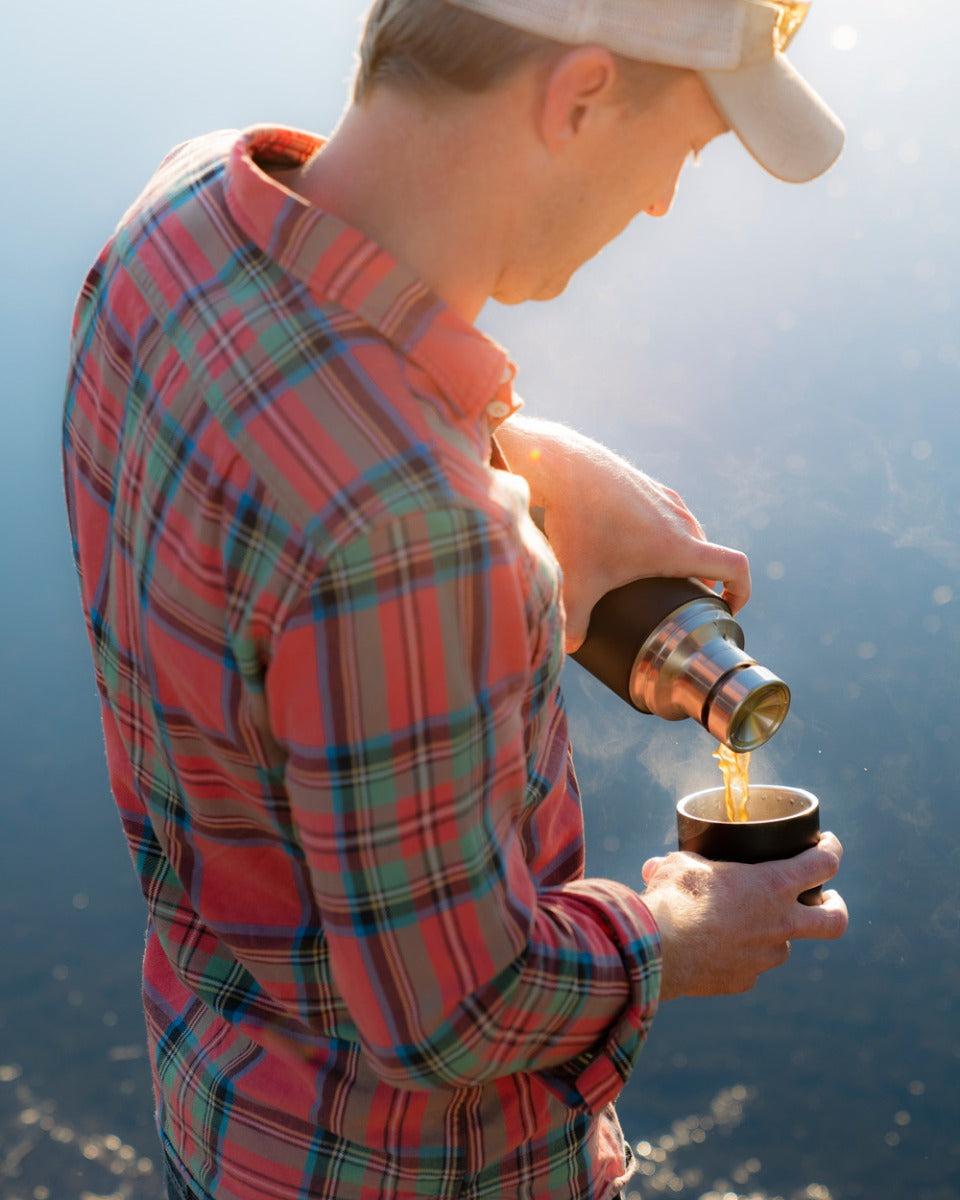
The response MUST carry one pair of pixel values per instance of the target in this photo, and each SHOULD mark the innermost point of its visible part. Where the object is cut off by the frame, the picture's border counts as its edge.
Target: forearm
(551, 456)
(422, 798)
(456, 967)
(574, 1005)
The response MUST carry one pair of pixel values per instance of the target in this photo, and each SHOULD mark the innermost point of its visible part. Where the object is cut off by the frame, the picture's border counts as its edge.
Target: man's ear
(580, 84)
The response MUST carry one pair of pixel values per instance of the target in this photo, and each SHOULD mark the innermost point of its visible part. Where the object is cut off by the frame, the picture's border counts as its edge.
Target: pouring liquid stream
(735, 769)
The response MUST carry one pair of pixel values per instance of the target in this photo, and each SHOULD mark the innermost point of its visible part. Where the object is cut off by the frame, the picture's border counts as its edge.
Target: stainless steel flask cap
(672, 648)
(694, 665)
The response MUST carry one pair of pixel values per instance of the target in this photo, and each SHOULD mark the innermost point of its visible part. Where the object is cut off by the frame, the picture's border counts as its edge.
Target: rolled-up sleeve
(399, 690)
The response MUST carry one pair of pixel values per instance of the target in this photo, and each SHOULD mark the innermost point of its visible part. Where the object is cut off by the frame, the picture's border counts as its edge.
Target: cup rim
(813, 803)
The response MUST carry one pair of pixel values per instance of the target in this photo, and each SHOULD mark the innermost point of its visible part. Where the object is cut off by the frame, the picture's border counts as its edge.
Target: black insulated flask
(671, 647)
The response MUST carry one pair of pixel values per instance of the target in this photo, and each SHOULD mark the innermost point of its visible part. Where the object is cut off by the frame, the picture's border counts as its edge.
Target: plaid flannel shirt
(327, 641)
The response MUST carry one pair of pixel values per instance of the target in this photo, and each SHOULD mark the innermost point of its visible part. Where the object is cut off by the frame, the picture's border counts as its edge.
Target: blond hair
(431, 45)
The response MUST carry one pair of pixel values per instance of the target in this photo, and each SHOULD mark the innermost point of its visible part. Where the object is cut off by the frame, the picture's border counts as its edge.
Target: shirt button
(498, 409)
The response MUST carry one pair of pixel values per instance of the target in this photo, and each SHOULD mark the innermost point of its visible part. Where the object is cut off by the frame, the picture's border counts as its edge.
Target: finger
(831, 843)
(812, 867)
(825, 859)
(736, 600)
(737, 584)
(825, 921)
(708, 561)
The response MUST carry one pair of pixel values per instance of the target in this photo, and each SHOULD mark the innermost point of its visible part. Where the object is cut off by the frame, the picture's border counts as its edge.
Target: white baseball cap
(736, 46)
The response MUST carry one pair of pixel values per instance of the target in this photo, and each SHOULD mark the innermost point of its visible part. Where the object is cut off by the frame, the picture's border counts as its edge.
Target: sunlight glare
(844, 37)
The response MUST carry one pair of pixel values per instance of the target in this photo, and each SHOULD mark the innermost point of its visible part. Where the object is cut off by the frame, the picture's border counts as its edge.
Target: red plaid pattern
(327, 640)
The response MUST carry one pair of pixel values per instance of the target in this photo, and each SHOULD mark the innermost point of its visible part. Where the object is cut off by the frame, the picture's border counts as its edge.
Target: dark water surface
(789, 360)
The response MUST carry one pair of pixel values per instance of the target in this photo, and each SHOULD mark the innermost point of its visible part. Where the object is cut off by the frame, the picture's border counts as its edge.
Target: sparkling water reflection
(43, 1156)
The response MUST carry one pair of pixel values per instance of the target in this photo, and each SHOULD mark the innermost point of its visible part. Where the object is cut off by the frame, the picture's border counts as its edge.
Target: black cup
(783, 821)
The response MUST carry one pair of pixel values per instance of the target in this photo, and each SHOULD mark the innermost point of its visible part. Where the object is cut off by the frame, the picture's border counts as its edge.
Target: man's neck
(429, 183)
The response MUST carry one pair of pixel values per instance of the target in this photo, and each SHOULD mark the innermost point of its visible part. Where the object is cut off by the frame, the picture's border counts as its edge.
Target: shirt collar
(337, 262)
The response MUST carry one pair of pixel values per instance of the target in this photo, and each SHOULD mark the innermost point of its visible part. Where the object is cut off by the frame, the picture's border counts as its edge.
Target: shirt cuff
(595, 1078)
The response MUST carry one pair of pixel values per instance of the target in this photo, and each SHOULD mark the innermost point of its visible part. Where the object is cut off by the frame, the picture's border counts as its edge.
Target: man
(328, 635)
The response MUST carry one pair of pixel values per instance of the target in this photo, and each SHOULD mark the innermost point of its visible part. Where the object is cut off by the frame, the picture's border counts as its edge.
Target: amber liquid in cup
(783, 821)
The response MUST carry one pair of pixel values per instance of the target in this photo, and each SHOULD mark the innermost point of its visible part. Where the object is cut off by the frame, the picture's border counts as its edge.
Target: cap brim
(779, 118)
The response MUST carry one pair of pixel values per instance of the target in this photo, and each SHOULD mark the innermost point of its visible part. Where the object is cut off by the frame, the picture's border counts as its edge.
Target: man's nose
(660, 207)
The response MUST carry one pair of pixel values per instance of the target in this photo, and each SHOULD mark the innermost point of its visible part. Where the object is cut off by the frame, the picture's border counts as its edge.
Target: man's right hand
(723, 924)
